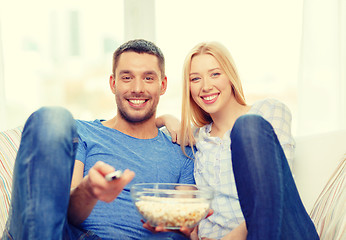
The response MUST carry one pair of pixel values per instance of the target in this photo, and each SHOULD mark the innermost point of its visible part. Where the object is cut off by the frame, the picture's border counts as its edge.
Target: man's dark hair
(140, 46)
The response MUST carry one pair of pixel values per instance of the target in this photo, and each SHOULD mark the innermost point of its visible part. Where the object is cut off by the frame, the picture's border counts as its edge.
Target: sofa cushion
(315, 161)
(9, 143)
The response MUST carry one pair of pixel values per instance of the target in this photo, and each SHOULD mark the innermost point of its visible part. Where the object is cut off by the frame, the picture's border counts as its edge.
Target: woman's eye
(215, 74)
(194, 79)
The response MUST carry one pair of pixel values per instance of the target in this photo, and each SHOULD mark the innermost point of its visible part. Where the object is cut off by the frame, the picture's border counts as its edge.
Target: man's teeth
(136, 101)
(210, 97)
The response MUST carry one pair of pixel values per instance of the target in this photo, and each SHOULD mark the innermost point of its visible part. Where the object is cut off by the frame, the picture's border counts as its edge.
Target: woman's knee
(250, 124)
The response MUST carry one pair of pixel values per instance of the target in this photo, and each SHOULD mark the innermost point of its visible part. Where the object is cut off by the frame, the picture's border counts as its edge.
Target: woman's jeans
(42, 177)
(267, 192)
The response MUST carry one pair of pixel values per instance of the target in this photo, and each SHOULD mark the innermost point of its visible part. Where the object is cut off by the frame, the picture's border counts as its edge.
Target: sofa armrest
(9, 143)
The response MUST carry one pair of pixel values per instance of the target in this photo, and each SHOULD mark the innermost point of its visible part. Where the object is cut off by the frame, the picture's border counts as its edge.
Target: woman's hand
(239, 233)
(172, 124)
(173, 127)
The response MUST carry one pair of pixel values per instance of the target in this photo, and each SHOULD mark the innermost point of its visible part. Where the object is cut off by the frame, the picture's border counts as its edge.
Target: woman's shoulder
(269, 105)
(268, 102)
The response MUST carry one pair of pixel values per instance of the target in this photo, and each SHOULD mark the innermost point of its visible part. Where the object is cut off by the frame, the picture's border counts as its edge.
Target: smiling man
(130, 140)
(50, 160)
(137, 83)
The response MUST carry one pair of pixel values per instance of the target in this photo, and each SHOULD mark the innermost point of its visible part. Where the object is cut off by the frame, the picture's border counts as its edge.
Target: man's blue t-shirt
(155, 160)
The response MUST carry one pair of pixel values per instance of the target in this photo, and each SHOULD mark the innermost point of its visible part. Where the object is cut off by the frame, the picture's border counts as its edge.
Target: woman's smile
(211, 98)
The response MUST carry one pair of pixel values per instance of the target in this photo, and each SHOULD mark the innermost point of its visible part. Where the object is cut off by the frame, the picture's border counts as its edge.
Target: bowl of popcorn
(171, 205)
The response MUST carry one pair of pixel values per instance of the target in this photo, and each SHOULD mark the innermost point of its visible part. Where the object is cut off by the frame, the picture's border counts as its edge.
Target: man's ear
(112, 83)
(163, 85)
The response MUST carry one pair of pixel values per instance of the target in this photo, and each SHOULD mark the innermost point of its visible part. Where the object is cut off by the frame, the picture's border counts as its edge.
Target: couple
(59, 188)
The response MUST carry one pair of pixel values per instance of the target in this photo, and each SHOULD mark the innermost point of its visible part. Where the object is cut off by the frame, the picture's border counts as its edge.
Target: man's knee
(54, 115)
(50, 123)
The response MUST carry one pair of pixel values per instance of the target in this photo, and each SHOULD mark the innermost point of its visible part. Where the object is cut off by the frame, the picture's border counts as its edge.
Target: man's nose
(137, 86)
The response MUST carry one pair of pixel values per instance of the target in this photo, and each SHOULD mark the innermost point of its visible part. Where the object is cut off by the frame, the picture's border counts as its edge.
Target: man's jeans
(42, 178)
(268, 195)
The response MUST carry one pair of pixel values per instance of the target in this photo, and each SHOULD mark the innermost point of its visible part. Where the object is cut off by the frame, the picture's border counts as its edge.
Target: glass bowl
(171, 205)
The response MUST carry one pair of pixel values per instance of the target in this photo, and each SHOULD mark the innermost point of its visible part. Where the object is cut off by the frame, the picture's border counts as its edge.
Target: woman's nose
(207, 84)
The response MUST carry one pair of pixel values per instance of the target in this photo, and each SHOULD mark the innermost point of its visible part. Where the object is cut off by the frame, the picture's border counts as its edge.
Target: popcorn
(172, 212)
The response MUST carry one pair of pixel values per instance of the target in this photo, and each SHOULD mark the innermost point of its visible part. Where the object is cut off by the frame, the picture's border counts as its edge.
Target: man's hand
(102, 189)
(188, 232)
(94, 187)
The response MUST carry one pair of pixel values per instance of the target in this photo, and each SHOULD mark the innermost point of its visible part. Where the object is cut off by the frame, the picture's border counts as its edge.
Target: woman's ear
(163, 85)
(112, 83)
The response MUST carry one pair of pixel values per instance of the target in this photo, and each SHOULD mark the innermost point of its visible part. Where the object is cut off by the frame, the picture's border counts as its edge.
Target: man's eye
(126, 77)
(149, 78)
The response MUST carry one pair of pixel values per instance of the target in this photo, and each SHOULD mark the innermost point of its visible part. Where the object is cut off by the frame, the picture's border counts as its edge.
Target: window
(59, 53)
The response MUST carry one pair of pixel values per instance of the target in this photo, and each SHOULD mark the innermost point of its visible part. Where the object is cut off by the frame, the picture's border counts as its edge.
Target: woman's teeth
(208, 98)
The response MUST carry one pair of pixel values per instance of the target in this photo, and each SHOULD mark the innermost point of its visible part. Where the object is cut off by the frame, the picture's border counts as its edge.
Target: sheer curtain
(322, 78)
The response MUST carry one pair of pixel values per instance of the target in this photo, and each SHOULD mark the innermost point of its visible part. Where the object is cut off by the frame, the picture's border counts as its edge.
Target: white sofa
(317, 156)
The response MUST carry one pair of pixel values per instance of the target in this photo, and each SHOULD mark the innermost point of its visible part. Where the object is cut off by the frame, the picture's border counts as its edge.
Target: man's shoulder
(87, 124)
(87, 129)
(82, 123)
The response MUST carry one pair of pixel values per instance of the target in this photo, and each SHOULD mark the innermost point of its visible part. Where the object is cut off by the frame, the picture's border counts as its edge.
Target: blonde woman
(243, 153)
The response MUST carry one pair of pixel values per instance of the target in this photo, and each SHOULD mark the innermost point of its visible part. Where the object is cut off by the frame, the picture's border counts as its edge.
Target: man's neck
(143, 130)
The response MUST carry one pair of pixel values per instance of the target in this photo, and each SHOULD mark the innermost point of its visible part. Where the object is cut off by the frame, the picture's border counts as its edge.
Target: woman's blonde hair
(191, 112)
